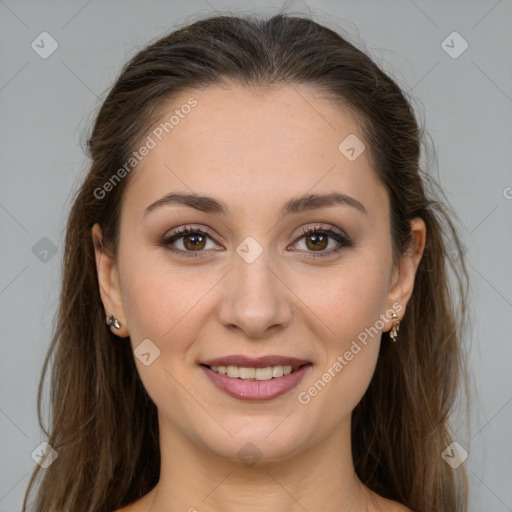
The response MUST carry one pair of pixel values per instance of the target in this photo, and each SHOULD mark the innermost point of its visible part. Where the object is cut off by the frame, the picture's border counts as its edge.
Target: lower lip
(256, 390)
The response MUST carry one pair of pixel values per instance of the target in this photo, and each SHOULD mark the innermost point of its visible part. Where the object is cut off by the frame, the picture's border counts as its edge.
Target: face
(247, 286)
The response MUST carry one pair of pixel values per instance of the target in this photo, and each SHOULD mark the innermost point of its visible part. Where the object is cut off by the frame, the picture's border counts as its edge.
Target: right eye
(193, 240)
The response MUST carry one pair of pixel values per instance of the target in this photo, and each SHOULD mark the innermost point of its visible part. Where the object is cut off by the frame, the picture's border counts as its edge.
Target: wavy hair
(103, 423)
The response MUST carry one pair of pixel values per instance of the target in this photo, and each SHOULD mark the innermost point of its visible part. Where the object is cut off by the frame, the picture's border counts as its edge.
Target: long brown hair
(103, 423)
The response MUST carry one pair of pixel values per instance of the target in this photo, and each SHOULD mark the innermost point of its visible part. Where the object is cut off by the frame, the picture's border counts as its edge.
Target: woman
(255, 311)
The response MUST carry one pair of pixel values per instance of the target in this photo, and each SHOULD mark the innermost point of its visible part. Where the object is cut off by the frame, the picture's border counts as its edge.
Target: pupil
(197, 242)
(317, 241)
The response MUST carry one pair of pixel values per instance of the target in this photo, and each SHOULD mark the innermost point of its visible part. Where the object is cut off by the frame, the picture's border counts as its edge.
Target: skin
(255, 149)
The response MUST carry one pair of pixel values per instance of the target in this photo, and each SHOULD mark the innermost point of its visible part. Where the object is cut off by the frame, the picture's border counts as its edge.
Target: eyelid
(189, 227)
(308, 230)
(183, 231)
(330, 231)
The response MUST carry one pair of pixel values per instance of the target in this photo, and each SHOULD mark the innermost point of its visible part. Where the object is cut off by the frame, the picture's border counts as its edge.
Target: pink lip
(258, 362)
(256, 390)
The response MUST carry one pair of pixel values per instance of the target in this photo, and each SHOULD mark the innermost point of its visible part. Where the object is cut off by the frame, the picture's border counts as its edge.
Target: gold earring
(394, 330)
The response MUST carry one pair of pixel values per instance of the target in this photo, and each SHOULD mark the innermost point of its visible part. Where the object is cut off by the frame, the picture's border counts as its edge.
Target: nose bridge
(255, 299)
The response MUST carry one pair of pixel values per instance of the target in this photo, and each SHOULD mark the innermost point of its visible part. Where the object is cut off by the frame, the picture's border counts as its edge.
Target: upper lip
(256, 362)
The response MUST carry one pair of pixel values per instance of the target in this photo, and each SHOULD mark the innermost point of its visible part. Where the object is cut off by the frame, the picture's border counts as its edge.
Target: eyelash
(189, 230)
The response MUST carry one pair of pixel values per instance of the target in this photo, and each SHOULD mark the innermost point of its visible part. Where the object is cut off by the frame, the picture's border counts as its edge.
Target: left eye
(318, 239)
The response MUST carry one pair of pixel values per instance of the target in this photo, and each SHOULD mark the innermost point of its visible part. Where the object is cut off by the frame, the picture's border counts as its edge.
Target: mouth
(259, 379)
(251, 373)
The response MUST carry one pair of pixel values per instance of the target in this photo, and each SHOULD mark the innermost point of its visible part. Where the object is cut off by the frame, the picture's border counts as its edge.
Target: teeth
(277, 371)
(233, 371)
(264, 373)
(245, 373)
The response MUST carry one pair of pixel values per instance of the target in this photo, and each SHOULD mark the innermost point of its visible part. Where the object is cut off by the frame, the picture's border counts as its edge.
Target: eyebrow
(295, 205)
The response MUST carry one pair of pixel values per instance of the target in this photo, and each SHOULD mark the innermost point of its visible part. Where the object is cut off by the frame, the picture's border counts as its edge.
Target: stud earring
(113, 321)
(394, 330)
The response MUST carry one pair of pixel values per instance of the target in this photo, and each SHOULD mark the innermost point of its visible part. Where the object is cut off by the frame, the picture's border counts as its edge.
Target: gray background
(46, 105)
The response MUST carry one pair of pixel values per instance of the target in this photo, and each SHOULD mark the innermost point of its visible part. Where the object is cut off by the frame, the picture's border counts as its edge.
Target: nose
(255, 299)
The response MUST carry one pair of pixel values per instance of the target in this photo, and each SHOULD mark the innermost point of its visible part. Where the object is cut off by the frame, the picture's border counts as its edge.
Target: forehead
(252, 147)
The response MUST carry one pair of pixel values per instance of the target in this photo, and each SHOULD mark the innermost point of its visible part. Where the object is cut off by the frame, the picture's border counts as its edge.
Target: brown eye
(194, 242)
(317, 241)
(190, 239)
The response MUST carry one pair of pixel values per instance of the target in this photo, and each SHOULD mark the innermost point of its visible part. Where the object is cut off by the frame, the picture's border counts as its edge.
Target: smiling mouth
(259, 382)
(251, 373)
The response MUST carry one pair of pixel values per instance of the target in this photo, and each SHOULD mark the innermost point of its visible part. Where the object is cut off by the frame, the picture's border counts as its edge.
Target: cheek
(350, 304)
(159, 306)
(167, 305)
(156, 296)
(348, 298)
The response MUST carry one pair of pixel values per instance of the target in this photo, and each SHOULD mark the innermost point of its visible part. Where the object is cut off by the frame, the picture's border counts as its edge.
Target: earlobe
(405, 272)
(108, 281)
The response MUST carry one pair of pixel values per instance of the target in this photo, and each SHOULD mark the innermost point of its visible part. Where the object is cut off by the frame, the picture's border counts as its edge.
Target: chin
(267, 439)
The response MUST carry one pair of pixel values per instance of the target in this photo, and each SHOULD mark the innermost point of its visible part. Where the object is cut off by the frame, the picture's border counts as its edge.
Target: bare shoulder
(394, 506)
(132, 507)
(399, 508)
(380, 503)
(385, 505)
(136, 506)
(141, 505)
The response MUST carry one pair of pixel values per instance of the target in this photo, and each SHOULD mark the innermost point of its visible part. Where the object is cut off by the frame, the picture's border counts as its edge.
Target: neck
(193, 478)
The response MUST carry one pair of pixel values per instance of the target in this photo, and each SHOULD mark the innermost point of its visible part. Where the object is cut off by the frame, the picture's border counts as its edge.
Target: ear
(108, 279)
(402, 282)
